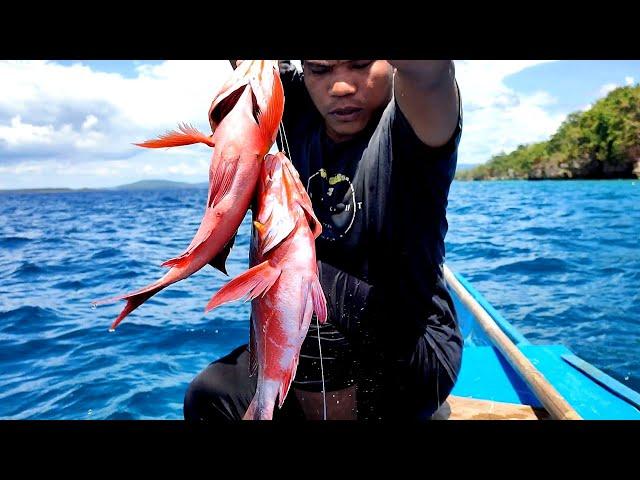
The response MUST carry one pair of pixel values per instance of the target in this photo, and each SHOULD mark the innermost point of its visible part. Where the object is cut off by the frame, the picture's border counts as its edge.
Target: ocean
(559, 259)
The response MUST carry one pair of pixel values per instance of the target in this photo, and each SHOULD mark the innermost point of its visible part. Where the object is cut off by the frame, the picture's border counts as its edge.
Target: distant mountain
(38, 190)
(159, 185)
(141, 185)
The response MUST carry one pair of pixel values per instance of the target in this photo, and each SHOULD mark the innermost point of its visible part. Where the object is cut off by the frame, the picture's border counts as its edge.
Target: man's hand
(427, 95)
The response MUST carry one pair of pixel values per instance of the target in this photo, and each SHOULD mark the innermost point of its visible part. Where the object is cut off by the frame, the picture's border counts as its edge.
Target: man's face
(348, 92)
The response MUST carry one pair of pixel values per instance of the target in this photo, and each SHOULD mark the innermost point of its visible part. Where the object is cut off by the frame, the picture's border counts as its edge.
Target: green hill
(602, 142)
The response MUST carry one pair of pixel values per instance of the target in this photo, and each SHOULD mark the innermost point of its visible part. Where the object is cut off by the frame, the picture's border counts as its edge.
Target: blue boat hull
(486, 375)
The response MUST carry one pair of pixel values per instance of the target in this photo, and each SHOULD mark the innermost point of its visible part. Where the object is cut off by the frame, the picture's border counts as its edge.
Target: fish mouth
(227, 104)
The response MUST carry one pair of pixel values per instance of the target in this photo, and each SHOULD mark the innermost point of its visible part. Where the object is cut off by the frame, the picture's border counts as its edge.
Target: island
(602, 142)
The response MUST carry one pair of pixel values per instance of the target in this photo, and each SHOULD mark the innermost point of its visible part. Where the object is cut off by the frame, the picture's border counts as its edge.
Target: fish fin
(261, 227)
(307, 312)
(253, 351)
(279, 230)
(255, 281)
(219, 260)
(225, 183)
(292, 179)
(177, 262)
(219, 187)
(180, 261)
(318, 299)
(285, 385)
(187, 135)
(269, 120)
(222, 180)
(312, 220)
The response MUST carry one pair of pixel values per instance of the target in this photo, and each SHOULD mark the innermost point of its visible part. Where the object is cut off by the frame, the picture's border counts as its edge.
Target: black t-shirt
(381, 197)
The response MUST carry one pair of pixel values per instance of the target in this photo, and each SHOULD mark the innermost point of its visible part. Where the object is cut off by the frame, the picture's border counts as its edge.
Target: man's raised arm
(426, 93)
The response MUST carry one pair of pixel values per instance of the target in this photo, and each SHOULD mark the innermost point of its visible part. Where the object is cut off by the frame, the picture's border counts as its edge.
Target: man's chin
(347, 129)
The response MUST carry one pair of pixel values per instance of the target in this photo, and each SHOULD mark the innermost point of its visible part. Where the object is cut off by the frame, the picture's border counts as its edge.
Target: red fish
(241, 139)
(283, 284)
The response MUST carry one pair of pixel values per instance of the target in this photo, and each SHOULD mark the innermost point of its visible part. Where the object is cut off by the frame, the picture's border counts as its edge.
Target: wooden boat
(504, 376)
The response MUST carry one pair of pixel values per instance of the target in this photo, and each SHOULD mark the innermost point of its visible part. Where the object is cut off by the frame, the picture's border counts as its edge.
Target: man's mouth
(346, 114)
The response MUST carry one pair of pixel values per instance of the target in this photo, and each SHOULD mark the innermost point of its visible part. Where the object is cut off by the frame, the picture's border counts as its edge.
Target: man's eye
(319, 70)
(362, 65)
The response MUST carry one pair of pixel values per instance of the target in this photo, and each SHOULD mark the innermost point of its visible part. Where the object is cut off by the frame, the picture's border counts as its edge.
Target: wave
(106, 253)
(537, 265)
(29, 269)
(28, 313)
(70, 285)
(14, 242)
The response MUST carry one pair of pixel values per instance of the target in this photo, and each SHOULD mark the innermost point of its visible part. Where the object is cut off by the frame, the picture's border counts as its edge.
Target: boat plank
(461, 408)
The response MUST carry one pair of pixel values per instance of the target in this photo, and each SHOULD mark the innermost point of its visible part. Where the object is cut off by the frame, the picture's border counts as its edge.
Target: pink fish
(241, 139)
(283, 284)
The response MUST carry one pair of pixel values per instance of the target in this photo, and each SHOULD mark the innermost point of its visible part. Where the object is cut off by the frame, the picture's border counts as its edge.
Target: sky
(72, 123)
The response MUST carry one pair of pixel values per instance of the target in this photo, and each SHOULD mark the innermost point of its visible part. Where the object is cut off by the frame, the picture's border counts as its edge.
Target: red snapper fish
(283, 283)
(241, 139)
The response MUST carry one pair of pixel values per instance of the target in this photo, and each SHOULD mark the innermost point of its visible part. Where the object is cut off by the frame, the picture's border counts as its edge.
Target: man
(375, 143)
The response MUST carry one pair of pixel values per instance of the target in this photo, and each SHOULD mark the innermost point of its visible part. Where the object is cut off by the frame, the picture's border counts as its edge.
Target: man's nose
(342, 88)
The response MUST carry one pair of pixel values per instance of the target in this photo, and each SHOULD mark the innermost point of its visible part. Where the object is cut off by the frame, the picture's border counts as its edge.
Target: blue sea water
(559, 260)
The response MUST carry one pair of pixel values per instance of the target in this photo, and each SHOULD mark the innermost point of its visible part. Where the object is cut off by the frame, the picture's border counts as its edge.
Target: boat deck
(461, 408)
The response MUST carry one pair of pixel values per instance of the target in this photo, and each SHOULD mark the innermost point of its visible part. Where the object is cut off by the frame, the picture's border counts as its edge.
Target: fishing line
(286, 143)
(285, 146)
(324, 393)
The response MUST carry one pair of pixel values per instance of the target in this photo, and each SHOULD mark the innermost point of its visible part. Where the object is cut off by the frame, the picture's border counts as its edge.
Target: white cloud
(607, 88)
(89, 122)
(19, 133)
(53, 111)
(629, 80)
(497, 118)
(78, 125)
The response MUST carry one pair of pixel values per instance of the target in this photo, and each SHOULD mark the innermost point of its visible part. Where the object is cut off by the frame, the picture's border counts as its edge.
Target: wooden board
(461, 408)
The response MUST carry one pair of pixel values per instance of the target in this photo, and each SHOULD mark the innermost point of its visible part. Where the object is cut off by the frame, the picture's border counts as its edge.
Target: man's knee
(194, 401)
(222, 391)
(202, 400)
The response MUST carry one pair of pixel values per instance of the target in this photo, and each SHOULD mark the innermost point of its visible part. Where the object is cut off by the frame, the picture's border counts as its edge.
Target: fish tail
(263, 402)
(258, 410)
(187, 135)
(250, 414)
(252, 283)
(134, 302)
